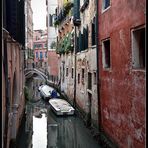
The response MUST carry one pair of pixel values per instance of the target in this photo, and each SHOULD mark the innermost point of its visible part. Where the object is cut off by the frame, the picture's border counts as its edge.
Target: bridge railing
(51, 78)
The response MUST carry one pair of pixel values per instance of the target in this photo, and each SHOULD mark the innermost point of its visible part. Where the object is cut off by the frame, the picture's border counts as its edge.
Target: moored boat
(61, 107)
(45, 92)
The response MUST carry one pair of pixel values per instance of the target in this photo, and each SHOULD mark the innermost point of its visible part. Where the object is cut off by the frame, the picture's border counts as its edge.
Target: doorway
(89, 109)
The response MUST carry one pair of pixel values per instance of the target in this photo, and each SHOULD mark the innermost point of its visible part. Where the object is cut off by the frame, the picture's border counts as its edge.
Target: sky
(39, 14)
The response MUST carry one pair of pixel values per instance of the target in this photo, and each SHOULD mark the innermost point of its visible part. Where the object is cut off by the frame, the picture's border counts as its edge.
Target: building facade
(52, 69)
(28, 33)
(51, 30)
(13, 42)
(53, 58)
(121, 30)
(76, 21)
(40, 50)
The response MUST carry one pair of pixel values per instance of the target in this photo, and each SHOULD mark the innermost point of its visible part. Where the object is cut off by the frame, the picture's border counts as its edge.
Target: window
(95, 78)
(45, 45)
(83, 76)
(138, 48)
(34, 46)
(40, 46)
(106, 53)
(41, 55)
(93, 33)
(72, 73)
(50, 20)
(37, 46)
(89, 81)
(85, 37)
(105, 4)
(45, 54)
(66, 72)
(76, 9)
(78, 78)
(36, 54)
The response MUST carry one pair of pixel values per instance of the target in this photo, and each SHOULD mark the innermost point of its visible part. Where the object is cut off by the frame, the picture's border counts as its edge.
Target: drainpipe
(97, 58)
(75, 64)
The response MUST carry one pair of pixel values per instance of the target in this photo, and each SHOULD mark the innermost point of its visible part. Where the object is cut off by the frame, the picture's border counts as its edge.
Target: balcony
(66, 45)
(63, 13)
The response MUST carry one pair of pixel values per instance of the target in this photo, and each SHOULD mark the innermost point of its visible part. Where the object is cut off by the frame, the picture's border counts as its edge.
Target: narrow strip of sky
(39, 14)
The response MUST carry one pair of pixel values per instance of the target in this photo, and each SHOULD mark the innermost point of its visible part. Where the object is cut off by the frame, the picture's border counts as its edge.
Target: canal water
(43, 129)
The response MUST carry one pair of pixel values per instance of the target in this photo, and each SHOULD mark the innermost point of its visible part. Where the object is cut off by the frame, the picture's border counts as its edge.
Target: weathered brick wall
(122, 88)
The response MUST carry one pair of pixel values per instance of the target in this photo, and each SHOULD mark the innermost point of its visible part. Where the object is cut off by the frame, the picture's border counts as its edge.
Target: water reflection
(39, 139)
(47, 130)
(71, 132)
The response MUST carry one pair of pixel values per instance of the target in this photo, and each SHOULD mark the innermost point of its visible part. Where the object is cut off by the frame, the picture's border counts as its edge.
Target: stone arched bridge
(50, 80)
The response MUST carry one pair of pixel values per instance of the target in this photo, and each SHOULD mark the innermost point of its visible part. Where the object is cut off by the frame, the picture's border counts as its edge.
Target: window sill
(104, 10)
(140, 70)
(106, 69)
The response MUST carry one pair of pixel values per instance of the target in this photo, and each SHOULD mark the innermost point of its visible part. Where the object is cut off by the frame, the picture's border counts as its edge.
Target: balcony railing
(63, 13)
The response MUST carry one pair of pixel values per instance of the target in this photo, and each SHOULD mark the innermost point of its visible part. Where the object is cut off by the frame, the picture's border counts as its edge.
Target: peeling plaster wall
(87, 60)
(15, 63)
(122, 88)
(67, 61)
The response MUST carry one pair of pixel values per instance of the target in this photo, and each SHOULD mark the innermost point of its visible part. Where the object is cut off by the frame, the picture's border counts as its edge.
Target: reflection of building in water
(36, 83)
(33, 113)
(39, 138)
(29, 124)
(52, 130)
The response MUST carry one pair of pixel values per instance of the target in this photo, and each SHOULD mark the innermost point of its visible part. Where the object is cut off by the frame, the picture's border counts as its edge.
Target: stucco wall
(122, 88)
(15, 61)
(87, 61)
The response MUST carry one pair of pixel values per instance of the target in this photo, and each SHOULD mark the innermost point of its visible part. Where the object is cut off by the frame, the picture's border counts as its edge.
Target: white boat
(61, 107)
(45, 91)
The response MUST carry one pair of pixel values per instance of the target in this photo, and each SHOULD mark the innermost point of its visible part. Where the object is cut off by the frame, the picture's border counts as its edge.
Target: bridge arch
(30, 72)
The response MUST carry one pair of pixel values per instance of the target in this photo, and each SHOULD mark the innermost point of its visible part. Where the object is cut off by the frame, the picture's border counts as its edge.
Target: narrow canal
(43, 129)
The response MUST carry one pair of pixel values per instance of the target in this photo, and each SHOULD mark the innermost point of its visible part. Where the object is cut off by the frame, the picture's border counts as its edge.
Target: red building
(52, 63)
(40, 52)
(122, 71)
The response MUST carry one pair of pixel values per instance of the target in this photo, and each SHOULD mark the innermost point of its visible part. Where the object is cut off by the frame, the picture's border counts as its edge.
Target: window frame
(103, 5)
(133, 50)
(105, 67)
(66, 71)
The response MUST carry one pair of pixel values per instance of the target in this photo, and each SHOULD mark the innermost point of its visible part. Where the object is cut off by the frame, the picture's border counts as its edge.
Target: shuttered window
(50, 20)
(85, 32)
(77, 48)
(93, 33)
(76, 9)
